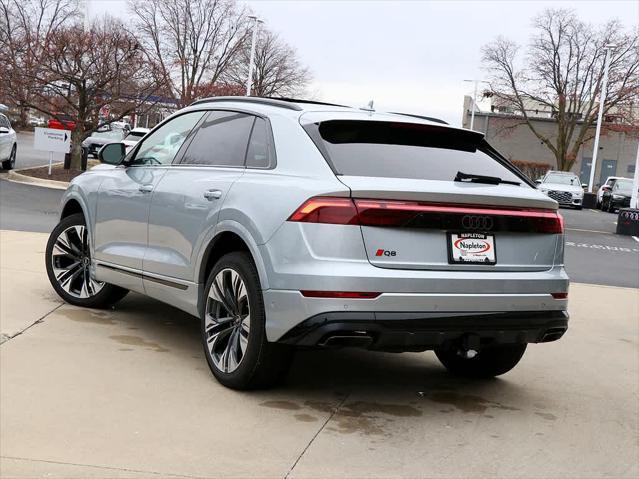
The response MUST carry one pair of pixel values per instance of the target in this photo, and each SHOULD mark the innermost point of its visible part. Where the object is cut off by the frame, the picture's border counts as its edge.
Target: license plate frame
(457, 255)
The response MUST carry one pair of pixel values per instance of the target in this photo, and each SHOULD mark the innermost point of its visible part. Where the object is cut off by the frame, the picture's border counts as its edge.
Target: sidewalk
(127, 393)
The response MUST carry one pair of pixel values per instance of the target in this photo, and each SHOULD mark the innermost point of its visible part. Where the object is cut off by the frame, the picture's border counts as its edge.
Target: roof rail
(429, 118)
(311, 102)
(250, 99)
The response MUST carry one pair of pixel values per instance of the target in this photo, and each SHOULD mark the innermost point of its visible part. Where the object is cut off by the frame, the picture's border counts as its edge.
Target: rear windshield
(404, 150)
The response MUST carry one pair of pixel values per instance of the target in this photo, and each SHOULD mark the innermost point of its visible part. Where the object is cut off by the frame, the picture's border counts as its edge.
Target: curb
(16, 177)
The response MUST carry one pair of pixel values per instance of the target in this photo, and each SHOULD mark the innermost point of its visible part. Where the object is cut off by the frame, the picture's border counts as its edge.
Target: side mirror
(606, 188)
(112, 153)
(4, 130)
(584, 185)
(538, 182)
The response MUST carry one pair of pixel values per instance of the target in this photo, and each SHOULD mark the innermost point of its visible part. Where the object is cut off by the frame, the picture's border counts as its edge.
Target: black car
(617, 195)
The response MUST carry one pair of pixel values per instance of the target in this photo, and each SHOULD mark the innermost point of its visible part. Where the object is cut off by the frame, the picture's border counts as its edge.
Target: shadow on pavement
(399, 382)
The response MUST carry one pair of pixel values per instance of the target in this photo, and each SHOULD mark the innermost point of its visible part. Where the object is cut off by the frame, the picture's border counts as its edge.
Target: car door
(187, 200)
(124, 199)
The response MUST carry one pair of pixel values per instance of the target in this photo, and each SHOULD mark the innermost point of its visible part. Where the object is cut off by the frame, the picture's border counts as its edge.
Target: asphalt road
(594, 253)
(27, 207)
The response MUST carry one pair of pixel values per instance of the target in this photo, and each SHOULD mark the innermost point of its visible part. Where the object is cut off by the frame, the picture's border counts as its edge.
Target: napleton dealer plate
(471, 248)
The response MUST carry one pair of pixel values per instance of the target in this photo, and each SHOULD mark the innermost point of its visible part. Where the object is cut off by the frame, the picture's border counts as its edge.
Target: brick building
(617, 150)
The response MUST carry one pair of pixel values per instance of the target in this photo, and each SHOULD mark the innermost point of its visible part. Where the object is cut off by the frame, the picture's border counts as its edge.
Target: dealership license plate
(471, 248)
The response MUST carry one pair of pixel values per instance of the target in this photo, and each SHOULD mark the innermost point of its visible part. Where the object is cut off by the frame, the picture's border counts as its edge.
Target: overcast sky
(409, 56)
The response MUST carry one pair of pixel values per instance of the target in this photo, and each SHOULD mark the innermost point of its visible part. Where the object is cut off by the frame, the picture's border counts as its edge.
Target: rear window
(404, 150)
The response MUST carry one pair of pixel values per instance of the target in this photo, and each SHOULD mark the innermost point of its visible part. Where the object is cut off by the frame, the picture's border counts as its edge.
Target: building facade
(504, 131)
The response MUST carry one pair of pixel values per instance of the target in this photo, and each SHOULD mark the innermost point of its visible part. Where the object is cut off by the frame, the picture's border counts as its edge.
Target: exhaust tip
(346, 340)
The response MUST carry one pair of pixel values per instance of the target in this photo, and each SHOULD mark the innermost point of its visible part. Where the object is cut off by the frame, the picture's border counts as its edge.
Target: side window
(260, 152)
(161, 146)
(3, 122)
(221, 140)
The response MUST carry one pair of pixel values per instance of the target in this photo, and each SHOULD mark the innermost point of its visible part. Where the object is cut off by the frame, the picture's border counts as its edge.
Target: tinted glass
(115, 135)
(260, 154)
(562, 179)
(3, 122)
(134, 136)
(221, 140)
(161, 146)
(405, 150)
(623, 186)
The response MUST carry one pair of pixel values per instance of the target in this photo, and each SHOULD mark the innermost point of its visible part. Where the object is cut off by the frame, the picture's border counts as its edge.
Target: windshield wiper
(489, 180)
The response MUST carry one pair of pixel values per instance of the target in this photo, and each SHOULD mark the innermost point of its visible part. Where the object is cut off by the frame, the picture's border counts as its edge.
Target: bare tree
(192, 42)
(81, 71)
(562, 72)
(277, 71)
(25, 26)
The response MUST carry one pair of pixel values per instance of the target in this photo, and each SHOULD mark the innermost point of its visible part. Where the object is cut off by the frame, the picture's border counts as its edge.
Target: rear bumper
(409, 331)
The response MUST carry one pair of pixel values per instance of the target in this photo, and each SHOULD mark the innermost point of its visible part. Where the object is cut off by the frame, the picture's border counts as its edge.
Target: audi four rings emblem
(473, 222)
(630, 215)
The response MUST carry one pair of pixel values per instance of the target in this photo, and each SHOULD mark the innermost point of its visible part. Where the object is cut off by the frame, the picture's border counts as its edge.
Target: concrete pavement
(127, 393)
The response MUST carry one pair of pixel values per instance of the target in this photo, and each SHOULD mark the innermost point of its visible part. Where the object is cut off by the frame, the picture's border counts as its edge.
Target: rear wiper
(489, 180)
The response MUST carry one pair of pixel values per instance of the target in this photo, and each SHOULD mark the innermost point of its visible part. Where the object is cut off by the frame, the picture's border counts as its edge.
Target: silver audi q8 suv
(289, 223)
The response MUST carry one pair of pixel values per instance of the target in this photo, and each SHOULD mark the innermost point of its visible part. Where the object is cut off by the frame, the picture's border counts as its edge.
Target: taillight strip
(371, 212)
(455, 209)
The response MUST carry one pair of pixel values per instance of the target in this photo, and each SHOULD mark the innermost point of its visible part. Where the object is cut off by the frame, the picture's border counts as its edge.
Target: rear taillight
(366, 212)
(340, 211)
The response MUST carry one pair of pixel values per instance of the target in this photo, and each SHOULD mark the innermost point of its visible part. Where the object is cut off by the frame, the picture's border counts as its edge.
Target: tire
(578, 207)
(489, 362)
(10, 163)
(236, 349)
(68, 262)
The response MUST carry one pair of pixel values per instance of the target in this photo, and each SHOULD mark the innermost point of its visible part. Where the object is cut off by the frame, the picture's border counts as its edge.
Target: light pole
(472, 111)
(634, 200)
(602, 100)
(249, 80)
(85, 15)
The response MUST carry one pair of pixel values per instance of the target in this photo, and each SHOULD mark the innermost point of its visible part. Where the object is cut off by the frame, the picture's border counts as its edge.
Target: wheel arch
(229, 236)
(71, 207)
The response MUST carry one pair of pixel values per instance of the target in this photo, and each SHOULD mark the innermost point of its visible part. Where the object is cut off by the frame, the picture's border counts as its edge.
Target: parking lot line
(636, 239)
(590, 231)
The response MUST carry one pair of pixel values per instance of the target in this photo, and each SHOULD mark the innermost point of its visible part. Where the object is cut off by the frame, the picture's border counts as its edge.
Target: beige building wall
(617, 151)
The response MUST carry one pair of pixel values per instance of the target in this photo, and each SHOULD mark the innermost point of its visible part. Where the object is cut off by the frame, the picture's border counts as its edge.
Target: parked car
(564, 187)
(609, 182)
(8, 144)
(617, 196)
(36, 121)
(284, 223)
(135, 135)
(99, 138)
(62, 121)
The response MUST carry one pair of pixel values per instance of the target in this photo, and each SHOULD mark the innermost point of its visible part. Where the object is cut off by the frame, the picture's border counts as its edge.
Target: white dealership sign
(50, 139)
(53, 141)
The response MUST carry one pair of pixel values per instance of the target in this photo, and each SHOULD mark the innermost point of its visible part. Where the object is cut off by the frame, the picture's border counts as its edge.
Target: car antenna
(369, 108)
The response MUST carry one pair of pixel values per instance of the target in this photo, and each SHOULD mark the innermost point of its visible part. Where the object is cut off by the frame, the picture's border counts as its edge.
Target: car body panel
(7, 139)
(158, 241)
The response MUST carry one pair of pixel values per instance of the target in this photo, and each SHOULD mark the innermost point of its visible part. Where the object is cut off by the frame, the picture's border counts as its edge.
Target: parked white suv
(8, 144)
(564, 187)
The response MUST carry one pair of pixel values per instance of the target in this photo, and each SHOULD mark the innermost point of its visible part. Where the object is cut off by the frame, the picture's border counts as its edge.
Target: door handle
(212, 195)
(146, 188)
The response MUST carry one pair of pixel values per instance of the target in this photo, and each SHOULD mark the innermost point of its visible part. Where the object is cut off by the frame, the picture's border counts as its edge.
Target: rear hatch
(433, 197)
